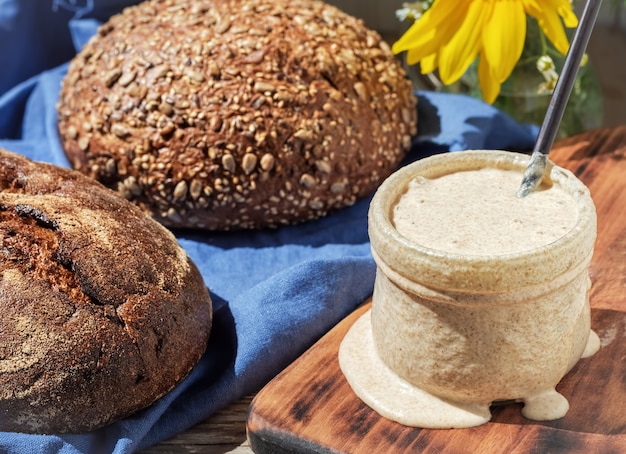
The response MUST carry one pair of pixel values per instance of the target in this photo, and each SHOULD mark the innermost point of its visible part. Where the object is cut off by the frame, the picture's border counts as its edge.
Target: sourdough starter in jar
(479, 297)
(477, 212)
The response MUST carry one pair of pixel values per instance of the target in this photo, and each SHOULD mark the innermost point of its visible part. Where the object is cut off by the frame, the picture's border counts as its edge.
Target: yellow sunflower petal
(568, 15)
(564, 9)
(428, 64)
(415, 54)
(434, 28)
(438, 37)
(550, 22)
(461, 51)
(503, 38)
(489, 85)
(417, 35)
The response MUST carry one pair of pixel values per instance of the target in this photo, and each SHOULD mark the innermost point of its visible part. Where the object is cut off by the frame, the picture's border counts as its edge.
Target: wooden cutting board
(310, 408)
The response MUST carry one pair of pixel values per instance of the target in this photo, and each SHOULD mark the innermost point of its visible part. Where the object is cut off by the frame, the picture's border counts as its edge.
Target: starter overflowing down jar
(480, 296)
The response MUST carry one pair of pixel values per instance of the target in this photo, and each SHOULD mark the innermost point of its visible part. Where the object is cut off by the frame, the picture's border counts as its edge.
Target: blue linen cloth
(275, 292)
(34, 35)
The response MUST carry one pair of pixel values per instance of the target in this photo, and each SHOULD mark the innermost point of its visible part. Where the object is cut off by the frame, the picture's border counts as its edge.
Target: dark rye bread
(230, 114)
(101, 311)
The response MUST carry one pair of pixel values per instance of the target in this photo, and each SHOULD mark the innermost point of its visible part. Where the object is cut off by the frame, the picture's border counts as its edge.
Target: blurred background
(607, 47)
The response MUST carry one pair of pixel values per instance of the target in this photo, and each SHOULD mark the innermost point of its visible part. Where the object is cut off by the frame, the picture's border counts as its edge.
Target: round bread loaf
(227, 114)
(101, 311)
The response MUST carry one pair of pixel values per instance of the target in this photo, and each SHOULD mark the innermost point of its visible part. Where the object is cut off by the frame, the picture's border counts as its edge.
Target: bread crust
(101, 311)
(227, 114)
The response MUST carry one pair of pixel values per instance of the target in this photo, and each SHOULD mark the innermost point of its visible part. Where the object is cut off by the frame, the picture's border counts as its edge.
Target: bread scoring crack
(30, 243)
(30, 212)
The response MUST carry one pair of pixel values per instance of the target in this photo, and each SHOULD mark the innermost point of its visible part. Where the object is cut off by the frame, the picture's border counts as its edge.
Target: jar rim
(401, 254)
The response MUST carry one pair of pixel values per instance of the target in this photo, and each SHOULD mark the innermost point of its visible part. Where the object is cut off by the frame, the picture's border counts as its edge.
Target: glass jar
(451, 333)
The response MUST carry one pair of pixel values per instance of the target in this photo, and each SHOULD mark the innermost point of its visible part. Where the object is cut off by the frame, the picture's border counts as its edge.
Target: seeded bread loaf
(227, 114)
(101, 311)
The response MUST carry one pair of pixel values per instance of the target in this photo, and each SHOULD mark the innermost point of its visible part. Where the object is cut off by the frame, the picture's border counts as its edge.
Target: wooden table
(598, 158)
(223, 432)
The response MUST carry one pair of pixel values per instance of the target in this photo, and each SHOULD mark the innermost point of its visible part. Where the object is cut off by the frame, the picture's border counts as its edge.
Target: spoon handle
(560, 97)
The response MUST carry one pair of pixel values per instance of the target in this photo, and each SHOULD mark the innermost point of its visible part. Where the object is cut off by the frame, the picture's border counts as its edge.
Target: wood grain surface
(309, 407)
(223, 432)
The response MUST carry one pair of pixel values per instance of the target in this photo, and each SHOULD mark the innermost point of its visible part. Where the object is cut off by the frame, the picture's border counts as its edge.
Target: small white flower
(546, 88)
(547, 68)
(412, 10)
(545, 63)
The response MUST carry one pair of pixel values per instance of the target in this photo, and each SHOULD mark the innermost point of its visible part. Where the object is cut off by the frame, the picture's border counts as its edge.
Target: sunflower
(450, 34)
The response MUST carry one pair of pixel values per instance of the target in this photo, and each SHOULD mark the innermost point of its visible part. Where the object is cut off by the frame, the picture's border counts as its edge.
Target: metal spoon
(538, 160)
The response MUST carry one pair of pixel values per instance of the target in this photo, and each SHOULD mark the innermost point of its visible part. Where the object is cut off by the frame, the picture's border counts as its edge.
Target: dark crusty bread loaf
(229, 114)
(101, 311)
